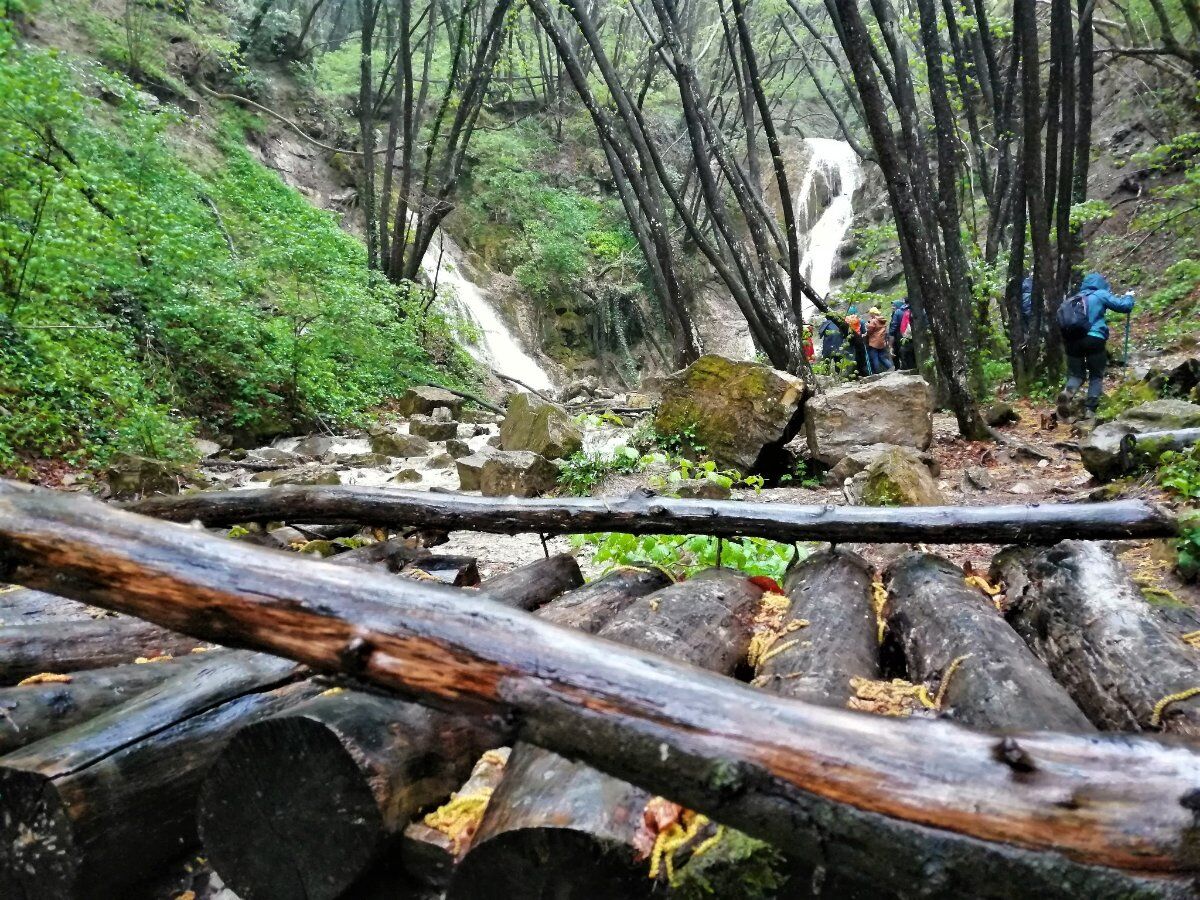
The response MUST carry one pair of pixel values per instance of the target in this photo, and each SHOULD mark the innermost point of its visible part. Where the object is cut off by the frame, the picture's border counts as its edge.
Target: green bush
(690, 553)
(127, 321)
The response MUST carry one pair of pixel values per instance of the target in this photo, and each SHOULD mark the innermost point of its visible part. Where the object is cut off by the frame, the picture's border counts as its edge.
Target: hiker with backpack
(877, 351)
(900, 335)
(1085, 335)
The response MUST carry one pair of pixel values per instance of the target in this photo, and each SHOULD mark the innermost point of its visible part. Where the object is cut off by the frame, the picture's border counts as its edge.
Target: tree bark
(534, 584)
(551, 819)
(998, 684)
(95, 808)
(33, 711)
(642, 514)
(62, 647)
(831, 590)
(1080, 612)
(804, 778)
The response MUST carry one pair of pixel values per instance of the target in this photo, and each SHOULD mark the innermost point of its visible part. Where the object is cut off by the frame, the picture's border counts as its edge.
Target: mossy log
(958, 811)
(89, 811)
(62, 647)
(560, 828)
(1079, 610)
(644, 513)
(955, 640)
(831, 592)
(32, 711)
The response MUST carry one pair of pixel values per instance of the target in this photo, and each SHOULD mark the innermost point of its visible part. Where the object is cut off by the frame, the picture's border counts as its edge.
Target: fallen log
(21, 606)
(30, 712)
(589, 607)
(1078, 609)
(93, 809)
(641, 513)
(830, 594)
(957, 811)
(395, 556)
(556, 827)
(955, 638)
(62, 647)
(535, 583)
(343, 774)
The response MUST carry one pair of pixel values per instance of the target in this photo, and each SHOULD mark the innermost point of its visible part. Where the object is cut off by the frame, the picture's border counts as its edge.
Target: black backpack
(1073, 321)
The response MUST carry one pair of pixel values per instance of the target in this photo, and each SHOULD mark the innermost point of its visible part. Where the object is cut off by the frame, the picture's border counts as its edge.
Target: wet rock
(204, 449)
(494, 441)
(423, 400)
(406, 476)
(309, 475)
(1000, 413)
(858, 460)
(542, 428)
(285, 536)
(702, 489)
(896, 478)
(1103, 451)
(274, 454)
(893, 408)
(742, 413)
(580, 388)
(457, 448)
(639, 400)
(977, 477)
(442, 414)
(363, 460)
(470, 469)
(1179, 379)
(314, 446)
(129, 475)
(432, 430)
(479, 417)
(517, 473)
(390, 442)
(440, 461)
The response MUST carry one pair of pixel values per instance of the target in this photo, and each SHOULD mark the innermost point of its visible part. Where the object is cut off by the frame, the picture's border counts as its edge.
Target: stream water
(496, 346)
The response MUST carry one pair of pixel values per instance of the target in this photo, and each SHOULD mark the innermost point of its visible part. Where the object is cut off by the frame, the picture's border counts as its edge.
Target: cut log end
(281, 831)
(38, 852)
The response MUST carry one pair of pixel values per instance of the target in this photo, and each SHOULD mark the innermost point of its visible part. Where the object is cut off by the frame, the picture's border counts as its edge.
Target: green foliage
(125, 316)
(690, 553)
(1094, 210)
(804, 474)
(685, 471)
(1179, 472)
(1187, 548)
(1128, 394)
(738, 866)
(581, 471)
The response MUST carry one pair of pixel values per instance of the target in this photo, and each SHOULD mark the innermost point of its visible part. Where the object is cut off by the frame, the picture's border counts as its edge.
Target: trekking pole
(1128, 320)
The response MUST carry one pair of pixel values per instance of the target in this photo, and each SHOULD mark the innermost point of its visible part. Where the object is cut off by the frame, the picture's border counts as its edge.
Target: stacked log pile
(630, 744)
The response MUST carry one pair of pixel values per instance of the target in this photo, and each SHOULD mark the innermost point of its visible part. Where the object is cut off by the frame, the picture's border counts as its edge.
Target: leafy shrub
(583, 471)
(1179, 472)
(690, 553)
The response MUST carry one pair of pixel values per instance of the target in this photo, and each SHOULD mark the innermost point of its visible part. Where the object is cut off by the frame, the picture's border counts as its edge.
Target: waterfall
(496, 347)
(833, 171)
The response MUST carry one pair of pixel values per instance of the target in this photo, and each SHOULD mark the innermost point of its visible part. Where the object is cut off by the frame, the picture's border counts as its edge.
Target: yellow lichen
(878, 603)
(459, 818)
(45, 678)
(1161, 706)
(142, 660)
(1192, 638)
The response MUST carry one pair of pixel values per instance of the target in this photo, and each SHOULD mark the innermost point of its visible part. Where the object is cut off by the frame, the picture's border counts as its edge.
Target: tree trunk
(998, 683)
(830, 590)
(1080, 612)
(641, 514)
(938, 796)
(32, 712)
(62, 647)
(551, 820)
(534, 584)
(100, 806)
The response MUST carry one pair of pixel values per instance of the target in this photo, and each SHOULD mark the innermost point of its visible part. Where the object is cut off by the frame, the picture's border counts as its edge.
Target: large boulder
(858, 460)
(423, 400)
(309, 475)
(129, 475)
(432, 429)
(537, 426)
(390, 442)
(315, 445)
(893, 408)
(470, 469)
(897, 477)
(517, 473)
(740, 412)
(1103, 452)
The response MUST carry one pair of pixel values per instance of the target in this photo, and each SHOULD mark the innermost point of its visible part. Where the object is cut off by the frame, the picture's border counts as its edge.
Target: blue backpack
(1074, 323)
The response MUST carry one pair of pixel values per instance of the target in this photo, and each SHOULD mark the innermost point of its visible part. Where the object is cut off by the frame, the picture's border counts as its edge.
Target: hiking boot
(1063, 405)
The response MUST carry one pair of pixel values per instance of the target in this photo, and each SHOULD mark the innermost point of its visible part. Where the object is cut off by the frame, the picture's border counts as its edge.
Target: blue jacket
(1100, 299)
(1027, 298)
(898, 309)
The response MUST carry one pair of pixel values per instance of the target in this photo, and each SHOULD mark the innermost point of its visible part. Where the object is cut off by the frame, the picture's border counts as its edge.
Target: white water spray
(833, 170)
(497, 346)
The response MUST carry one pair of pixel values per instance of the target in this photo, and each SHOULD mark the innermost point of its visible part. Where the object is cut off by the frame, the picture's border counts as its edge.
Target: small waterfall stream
(833, 170)
(497, 347)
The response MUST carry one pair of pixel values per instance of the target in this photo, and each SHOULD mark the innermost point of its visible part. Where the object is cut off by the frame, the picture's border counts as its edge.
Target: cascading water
(833, 171)
(497, 347)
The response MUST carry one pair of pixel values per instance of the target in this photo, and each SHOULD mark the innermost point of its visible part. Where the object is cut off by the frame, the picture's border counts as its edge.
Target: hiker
(858, 346)
(1027, 301)
(877, 342)
(809, 352)
(898, 309)
(831, 338)
(1085, 336)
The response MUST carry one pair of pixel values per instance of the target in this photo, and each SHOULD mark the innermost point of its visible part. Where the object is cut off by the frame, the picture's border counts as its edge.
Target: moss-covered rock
(734, 410)
(390, 442)
(309, 475)
(897, 477)
(539, 427)
(1106, 452)
(129, 475)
